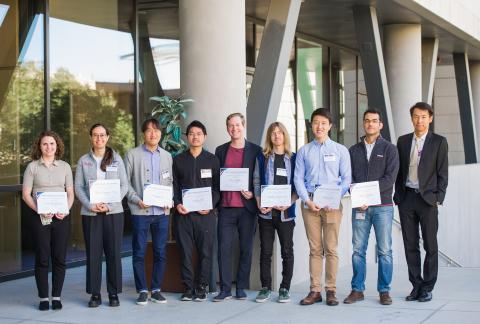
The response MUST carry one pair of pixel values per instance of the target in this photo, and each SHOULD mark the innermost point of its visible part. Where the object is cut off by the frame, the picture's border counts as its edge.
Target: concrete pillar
(212, 56)
(403, 66)
(475, 84)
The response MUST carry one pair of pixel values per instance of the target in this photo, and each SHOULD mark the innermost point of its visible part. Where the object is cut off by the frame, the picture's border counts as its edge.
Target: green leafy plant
(170, 112)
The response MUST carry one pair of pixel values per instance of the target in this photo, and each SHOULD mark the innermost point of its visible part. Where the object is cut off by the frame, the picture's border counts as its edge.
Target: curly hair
(37, 152)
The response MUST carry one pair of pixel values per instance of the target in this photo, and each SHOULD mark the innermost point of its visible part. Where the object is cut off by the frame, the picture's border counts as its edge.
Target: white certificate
(197, 199)
(276, 195)
(327, 196)
(105, 191)
(365, 193)
(52, 202)
(233, 179)
(157, 195)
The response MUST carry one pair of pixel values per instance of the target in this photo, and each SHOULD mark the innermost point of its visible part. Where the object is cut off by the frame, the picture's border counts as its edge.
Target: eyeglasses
(99, 135)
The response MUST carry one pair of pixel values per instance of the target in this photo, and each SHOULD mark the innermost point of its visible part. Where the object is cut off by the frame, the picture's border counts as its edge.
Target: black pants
(414, 211)
(195, 230)
(229, 221)
(267, 230)
(50, 241)
(103, 233)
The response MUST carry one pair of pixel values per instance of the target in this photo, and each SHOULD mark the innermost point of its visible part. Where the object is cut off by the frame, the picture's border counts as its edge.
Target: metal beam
(368, 38)
(465, 103)
(429, 66)
(272, 63)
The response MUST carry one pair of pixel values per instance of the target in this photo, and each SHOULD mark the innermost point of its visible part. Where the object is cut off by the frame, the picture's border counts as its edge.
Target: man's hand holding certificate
(365, 194)
(327, 196)
(276, 196)
(197, 199)
(105, 191)
(234, 179)
(157, 195)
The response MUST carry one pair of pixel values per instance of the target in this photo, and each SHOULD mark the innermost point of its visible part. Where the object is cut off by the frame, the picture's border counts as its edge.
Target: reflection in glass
(21, 111)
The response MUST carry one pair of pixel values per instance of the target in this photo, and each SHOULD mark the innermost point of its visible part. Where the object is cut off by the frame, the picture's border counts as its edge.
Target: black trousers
(103, 234)
(229, 221)
(195, 230)
(267, 228)
(414, 211)
(50, 242)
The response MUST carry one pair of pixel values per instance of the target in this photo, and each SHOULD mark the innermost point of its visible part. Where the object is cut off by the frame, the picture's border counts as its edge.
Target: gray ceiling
(331, 21)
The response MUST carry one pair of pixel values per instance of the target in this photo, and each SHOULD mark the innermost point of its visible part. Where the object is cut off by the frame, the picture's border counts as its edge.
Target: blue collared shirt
(321, 164)
(151, 161)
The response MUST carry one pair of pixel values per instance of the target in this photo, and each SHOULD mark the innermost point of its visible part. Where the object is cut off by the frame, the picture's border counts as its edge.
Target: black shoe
(113, 301)
(44, 305)
(187, 295)
(142, 299)
(200, 294)
(158, 298)
(425, 296)
(95, 301)
(413, 295)
(56, 304)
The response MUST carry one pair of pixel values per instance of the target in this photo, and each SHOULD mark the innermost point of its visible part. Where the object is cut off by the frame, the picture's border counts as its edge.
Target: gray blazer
(87, 170)
(138, 173)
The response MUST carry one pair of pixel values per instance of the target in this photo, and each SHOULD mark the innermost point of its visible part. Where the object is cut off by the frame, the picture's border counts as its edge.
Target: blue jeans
(381, 218)
(158, 225)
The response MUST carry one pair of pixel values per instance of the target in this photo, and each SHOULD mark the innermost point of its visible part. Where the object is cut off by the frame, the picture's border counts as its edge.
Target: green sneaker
(283, 295)
(263, 295)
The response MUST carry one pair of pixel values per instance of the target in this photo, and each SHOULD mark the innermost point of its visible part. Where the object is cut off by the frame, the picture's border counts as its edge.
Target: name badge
(281, 172)
(165, 174)
(112, 168)
(206, 173)
(359, 215)
(329, 158)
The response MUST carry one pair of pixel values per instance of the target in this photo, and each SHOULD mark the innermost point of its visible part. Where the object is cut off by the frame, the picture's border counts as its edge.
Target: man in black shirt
(195, 168)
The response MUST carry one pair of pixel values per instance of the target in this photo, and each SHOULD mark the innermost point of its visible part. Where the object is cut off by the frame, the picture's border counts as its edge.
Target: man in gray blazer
(148, 164)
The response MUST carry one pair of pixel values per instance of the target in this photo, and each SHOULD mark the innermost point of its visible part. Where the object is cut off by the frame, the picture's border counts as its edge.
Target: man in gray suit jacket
(148, 164)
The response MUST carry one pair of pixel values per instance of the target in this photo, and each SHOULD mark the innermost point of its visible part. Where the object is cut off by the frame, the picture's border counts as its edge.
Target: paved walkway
(456, 301)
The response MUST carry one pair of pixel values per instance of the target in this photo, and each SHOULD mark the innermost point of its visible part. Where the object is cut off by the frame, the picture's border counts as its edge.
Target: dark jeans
(414, 211)
(229, 221)
(103, 234)
(158, 225)
(267, 228)
(50, 241)
(196, 231)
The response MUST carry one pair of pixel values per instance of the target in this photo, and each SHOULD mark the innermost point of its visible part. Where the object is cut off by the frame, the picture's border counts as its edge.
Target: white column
(403, 66)
(212, 62)
(475, 86)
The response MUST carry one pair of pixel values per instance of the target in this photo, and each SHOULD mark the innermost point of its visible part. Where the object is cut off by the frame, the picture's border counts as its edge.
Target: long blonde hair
(268, 150)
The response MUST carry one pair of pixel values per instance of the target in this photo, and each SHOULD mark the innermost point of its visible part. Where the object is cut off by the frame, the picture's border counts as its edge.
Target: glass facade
(103, 65)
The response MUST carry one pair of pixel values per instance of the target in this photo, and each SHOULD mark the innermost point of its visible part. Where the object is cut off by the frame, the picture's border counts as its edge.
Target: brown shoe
(312, 298)
(354, 297)
(385, 298)
(331, 299)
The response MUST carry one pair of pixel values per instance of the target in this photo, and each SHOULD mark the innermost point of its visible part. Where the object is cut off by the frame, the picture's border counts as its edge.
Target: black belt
(412, 190)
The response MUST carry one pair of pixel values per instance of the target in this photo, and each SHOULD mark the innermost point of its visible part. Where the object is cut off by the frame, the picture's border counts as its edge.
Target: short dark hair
(373, 111)
(324, 112)
(150, 121)
(422, 106)
(197, 124)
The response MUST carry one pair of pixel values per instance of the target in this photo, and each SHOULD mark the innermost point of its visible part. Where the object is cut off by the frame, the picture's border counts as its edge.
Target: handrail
(450, 261)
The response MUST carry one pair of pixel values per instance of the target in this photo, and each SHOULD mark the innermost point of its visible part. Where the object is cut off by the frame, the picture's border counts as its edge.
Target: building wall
(447, 114)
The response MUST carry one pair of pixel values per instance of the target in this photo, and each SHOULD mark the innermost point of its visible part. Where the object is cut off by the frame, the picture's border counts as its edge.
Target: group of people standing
(420, 184)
